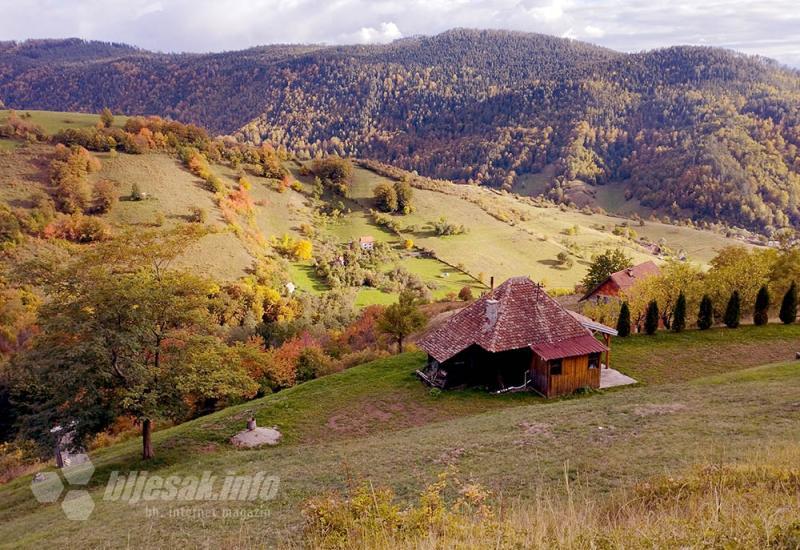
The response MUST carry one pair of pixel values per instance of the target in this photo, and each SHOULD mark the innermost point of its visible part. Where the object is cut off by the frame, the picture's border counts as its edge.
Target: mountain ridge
(687, 131)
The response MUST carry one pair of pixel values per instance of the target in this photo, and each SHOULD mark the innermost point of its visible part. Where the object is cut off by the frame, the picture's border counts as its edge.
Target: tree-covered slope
(687, 131)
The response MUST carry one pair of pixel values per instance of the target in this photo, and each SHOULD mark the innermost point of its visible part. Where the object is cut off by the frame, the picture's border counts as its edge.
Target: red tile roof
(626, 278)
(517, 314)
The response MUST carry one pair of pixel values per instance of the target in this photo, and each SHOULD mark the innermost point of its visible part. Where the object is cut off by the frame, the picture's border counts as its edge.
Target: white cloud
(593, 32)
(766, 27)
(370, 35)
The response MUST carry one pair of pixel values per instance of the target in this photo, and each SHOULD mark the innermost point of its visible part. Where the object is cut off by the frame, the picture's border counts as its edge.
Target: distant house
(367, 242)
(516, 337)
(620, 281)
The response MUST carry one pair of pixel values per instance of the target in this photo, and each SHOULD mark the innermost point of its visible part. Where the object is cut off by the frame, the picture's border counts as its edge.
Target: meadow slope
(378, 422)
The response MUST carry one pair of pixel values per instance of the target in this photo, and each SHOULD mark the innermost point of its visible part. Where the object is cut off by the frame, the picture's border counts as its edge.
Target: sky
(768, 27)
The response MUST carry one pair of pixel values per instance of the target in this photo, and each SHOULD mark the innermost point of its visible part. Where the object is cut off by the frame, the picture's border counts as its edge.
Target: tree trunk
(399, 344)
(147, 439)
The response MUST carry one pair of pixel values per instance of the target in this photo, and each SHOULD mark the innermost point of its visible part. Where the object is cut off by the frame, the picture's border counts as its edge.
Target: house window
(594, 360)
(555, 367)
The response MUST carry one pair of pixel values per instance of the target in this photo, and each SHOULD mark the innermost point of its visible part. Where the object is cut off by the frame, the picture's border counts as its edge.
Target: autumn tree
(334, 172)
(103, 196)
(465, 294)
(107, 117)
(125, 334)
(385, 197)
(402, 319)
(604, 265)
(405, 195)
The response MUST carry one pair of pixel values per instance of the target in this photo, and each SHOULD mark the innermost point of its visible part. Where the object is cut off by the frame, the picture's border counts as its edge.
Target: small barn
(621, 280)
(515, 338)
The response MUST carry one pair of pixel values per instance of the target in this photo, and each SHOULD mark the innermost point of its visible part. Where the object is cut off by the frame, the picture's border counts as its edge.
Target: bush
(761, 312)
(465, 294)
(136, 192)
(733, 311)
(79, 228)
(705, 315)
(788, 313)
(198, 215)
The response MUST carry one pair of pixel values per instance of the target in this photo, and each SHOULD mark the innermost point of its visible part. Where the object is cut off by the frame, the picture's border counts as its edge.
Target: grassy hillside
(525, 243)
(378, 422)
(53, 121)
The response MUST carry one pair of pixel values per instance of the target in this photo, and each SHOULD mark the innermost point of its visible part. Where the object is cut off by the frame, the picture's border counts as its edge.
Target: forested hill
(688, 131)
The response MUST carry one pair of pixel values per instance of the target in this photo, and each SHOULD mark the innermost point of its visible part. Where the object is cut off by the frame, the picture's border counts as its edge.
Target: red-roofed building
(620, 281)
(515, 337)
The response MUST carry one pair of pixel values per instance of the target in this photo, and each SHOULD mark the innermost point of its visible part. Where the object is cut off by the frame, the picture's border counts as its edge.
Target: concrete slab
(610, 378)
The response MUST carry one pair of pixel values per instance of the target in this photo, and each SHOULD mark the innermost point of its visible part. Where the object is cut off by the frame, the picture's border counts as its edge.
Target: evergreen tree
(788, 312)
(761, 313)
(651, 318)
(705, 317)
(624, 320)
(733, 311)
(679, 314)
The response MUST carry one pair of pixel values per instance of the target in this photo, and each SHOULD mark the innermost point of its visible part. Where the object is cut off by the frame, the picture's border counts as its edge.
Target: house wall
(575, 374)
(609, 289)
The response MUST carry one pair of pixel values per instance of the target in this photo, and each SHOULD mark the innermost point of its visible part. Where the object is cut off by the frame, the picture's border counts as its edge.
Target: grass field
(528, 246)
(378, 422)
(53, 121)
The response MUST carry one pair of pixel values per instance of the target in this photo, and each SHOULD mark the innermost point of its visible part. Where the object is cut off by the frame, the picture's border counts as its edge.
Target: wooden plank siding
(575, 374)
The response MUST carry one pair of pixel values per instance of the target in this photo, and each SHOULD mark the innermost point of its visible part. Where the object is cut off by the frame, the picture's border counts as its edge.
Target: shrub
(788, 313)
(651, 318)
(79, 228)
(705, 315)
(136, 192)
(198, 215)
(761, 311)
(465, 294)
(733, 311)
(408, 244)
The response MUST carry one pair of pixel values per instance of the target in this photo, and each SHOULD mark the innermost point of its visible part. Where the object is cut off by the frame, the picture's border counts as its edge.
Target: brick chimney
(491, 312)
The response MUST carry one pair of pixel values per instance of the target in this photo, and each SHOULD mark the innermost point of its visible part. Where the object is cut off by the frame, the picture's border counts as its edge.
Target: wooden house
(611, 288)
(515, 338)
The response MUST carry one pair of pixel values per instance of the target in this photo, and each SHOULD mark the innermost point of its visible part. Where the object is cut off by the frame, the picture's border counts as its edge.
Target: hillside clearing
(378, 422)
(53, 121)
